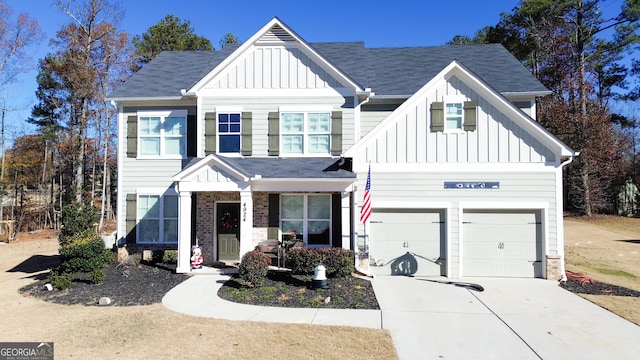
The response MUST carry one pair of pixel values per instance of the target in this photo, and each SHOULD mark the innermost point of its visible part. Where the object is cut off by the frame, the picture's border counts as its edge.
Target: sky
(378, 23)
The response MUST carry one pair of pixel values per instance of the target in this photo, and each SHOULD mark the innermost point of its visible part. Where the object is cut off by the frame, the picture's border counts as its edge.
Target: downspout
(561, 249)
(368, 93)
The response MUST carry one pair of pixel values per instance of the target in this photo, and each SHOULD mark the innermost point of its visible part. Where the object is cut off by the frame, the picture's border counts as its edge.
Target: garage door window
(308, 217)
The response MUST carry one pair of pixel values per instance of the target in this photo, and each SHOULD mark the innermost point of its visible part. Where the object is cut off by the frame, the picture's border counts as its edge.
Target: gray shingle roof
(294, 168)
(387, 71)
(286, 168)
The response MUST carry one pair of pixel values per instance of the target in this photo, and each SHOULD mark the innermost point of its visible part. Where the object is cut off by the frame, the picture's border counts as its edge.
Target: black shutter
(192, 137)
(336, 219)
(246, 134)
(132, 136)
(336, 133)
(470, 115)
(130, 218)
(274, 217)
(274, 133)
(437, 116)
(210, 127)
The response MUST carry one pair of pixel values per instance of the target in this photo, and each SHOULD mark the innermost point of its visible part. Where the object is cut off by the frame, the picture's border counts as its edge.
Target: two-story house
(275, 137)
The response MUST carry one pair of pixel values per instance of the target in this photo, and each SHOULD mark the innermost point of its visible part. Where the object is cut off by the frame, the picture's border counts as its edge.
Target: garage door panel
(502, 243)
(413, 238)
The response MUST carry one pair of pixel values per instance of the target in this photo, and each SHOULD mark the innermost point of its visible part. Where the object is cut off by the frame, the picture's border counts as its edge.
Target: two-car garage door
(502, 243)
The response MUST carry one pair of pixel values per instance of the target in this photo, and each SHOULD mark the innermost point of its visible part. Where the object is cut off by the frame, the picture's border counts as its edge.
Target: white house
(274, 138)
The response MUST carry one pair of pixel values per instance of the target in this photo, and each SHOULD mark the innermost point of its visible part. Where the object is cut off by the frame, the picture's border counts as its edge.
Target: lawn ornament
(196, 258)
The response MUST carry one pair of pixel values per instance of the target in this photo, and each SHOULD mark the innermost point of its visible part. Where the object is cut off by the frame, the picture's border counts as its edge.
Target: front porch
(228, 210)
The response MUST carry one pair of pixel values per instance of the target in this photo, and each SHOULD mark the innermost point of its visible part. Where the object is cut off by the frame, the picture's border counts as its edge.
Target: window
(162, 134)
(305, 132)
(308, 217)
(453, 116)
(229, 131)
(157, 218)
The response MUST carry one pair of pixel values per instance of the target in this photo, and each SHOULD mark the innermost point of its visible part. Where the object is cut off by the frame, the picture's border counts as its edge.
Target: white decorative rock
(48, 287)
(104, 301)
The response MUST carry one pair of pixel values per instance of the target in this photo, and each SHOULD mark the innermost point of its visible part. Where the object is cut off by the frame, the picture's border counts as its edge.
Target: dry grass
(607, 248)
(153, 332)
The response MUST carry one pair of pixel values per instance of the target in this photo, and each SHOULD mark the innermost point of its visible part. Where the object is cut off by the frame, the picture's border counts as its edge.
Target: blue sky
(377, 23)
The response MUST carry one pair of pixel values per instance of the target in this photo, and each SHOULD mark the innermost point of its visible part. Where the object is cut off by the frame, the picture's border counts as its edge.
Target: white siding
(407, 137)
(274, 67)
(261, 106)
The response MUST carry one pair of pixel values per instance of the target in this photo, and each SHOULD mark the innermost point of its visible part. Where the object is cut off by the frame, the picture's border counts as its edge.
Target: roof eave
(526, 93)
(146, 98)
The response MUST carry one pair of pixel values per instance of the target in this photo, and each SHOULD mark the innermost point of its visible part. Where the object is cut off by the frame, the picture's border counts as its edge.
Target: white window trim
(454, 99)
(305, 219)
(162, 114)
(161, 192)
(305, 133)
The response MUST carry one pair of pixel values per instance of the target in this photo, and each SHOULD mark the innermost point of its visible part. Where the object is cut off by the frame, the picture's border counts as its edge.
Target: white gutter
(560, 224)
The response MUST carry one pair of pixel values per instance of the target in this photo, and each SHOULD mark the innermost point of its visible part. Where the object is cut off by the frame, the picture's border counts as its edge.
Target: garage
(502, 243)
(408, 242)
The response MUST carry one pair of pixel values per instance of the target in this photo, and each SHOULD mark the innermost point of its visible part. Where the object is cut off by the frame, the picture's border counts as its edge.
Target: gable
(502, 133)
(272, 66)
(210, 173)
(275, 57)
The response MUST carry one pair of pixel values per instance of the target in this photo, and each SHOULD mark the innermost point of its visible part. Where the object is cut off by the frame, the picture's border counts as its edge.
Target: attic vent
(276, 35)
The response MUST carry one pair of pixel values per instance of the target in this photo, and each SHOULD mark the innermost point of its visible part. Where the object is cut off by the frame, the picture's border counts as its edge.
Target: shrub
(97, 276)
(59, 280)
(77, 219)
(254, 267)
(83, 253)
(170, 257)
(339, 262)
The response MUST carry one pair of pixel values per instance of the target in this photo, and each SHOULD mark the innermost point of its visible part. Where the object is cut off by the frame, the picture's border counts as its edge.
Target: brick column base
(554, 268)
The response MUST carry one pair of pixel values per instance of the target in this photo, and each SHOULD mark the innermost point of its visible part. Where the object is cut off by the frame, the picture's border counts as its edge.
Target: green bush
(60, 280)
(170, 257)
(83, 253)
(254, 267)
(339, 262)
(77, 219)
(97, 276)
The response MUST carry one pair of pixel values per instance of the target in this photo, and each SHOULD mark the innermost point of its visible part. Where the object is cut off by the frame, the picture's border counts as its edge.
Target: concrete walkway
(510, 319)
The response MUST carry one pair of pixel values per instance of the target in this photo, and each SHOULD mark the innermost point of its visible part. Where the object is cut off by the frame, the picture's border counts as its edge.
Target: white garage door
(408, 242)
(502, 243)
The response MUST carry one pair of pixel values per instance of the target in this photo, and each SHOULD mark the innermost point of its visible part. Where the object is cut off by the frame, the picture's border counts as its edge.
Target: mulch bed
(582, 284)
(124, 285)
(282, 289)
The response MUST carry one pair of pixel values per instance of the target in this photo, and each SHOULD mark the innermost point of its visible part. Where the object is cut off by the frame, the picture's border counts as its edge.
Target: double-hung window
(305, 132)
(453, 116)
(308, 217)
(229, 131)
(157, 218)
(162, 134)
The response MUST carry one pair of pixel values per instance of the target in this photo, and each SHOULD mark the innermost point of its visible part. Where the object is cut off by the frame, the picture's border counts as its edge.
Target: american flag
(365, 211)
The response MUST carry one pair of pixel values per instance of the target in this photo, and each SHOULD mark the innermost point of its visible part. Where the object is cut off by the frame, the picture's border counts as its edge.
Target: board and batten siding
(274, 67)
(408, 137)
(261, 106)
(407, 189)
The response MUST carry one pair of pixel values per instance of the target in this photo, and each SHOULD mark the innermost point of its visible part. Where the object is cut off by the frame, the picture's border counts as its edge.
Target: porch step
(209, 270)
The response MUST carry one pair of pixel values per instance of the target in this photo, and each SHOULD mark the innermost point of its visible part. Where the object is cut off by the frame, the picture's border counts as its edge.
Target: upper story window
(229, 132)
(162, 134)
(305, 132)
(455, 114)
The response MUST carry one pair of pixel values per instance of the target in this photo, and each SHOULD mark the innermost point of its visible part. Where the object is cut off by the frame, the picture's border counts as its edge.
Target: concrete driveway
(510, 319)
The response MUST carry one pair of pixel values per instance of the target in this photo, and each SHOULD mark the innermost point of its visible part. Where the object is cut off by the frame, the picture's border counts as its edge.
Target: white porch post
(184, 232)
(345, 214)
(246, 222)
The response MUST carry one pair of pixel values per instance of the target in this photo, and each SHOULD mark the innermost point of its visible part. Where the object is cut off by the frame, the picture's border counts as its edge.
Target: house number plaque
(244, 212)
(472, 185)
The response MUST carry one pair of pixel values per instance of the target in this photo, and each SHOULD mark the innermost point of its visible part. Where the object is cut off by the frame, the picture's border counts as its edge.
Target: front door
(228, 231)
